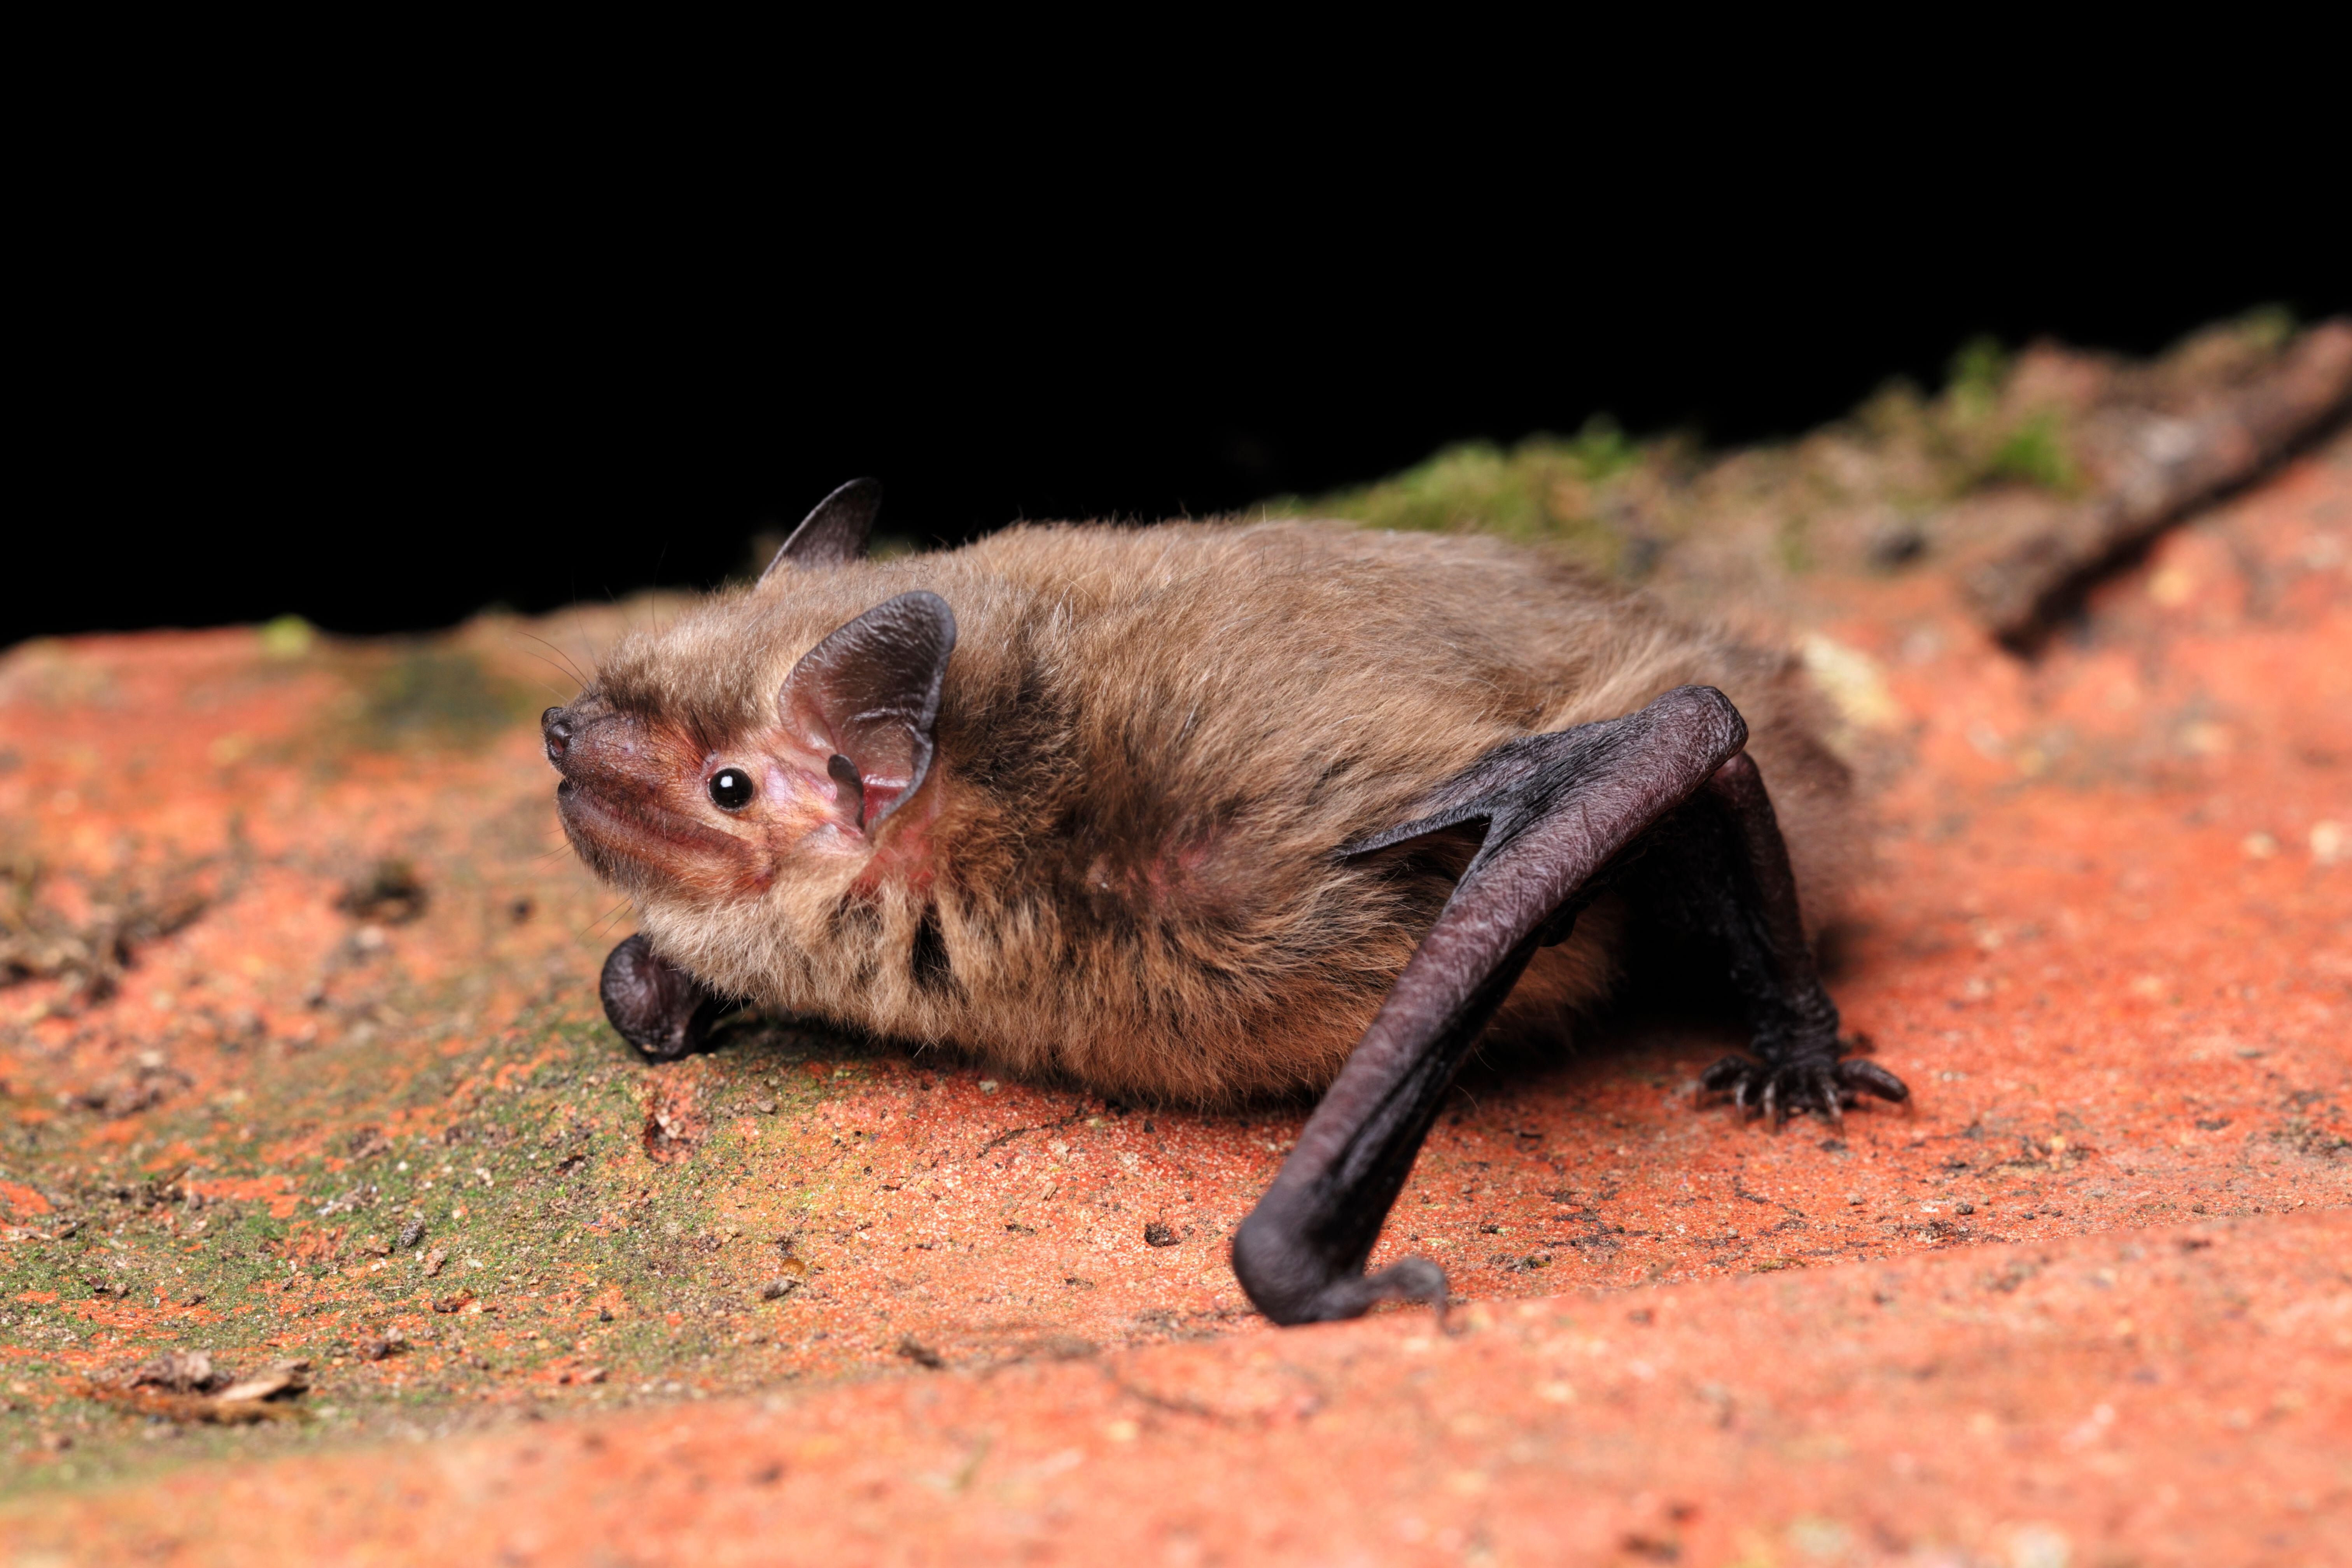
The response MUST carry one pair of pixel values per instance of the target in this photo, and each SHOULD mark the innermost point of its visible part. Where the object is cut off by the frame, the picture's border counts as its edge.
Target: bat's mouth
(632, 839)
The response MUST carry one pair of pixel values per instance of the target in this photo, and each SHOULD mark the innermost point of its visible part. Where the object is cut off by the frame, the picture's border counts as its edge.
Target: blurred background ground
(305, 1075)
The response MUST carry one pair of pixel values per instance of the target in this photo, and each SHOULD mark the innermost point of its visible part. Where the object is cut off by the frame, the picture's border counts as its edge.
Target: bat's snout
(590, 743)
(585, 736)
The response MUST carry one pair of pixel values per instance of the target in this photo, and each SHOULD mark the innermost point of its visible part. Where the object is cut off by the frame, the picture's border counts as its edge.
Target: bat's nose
(555, 728)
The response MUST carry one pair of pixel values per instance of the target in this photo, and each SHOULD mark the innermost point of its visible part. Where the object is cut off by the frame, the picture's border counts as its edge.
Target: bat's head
(679, 784)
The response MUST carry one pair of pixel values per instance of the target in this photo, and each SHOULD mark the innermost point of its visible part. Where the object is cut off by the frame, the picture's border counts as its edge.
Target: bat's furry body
(1121, 864)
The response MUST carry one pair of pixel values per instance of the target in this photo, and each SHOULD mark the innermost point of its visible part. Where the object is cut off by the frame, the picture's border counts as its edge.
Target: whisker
(570, 667)
(576, 629)
(556, 692)
(617, 911)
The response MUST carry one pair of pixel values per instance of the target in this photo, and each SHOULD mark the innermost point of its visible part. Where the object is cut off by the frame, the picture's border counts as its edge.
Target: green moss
(552, 1109)
(288, 636)
(2268, 326)
(1791, 544)
(1978, 373)
(1546, 488)
(432, 694)
(2035, 453)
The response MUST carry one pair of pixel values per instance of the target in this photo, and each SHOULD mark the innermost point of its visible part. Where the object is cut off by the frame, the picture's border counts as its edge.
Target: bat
(1204, 812)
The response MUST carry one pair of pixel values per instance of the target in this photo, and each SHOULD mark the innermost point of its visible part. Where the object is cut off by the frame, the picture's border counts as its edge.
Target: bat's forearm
(1557, 809)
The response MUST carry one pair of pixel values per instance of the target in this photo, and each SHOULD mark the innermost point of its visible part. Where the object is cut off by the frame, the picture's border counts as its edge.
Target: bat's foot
(1290, 1284)
(1820, 1083)
(658, 1007)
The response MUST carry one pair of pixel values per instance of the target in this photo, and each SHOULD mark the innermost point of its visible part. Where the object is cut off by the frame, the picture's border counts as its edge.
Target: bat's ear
(869, 695)
(835, 531)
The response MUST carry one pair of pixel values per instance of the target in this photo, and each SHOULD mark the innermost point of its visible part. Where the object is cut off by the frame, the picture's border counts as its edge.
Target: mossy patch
(2036, 452)
(427, 693)
(1865, 493)
(1558, 490)
(484, 1210)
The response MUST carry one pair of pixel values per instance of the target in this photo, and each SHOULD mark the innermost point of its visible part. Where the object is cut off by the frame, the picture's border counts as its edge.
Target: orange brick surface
(2085, 1301)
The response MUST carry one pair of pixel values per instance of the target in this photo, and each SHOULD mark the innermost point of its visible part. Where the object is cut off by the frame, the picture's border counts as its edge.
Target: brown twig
(2153, 468)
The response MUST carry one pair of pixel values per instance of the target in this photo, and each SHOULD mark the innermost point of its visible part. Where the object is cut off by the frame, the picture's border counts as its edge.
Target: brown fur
(1151, 742)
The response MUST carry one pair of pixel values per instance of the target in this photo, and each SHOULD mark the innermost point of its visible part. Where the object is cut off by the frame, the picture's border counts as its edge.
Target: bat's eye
(730, 789)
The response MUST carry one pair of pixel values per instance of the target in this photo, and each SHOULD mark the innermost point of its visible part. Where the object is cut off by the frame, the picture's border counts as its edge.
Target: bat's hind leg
(1716, 872)
(1563, 813)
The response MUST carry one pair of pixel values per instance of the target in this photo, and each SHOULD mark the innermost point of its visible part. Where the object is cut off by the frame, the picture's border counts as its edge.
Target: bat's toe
(1821, 1084)
(1869, 1078)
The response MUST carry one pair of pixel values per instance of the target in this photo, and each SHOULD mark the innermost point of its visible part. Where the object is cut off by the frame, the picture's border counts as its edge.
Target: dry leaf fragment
(267, 1385)
(173, 1386)
(179, 1372)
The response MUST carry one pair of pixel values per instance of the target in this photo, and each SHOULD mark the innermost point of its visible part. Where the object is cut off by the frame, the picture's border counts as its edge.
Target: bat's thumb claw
(1411, 1279)
(653, 1004)
(1290, 1284)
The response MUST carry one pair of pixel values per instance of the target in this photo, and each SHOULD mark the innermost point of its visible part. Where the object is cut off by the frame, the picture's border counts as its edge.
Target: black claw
(1827, 1095)
(1729, 1073)
(1824, 1087)
(1872, 1078)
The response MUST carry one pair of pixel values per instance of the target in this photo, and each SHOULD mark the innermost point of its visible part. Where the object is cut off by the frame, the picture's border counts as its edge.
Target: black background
(383, 399)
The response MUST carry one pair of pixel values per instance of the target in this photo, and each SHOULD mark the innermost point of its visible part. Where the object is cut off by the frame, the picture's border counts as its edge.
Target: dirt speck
(389, 892)
(672, 1125)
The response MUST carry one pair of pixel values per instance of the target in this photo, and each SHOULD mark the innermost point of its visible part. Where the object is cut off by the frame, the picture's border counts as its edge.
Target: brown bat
(1202, 811)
